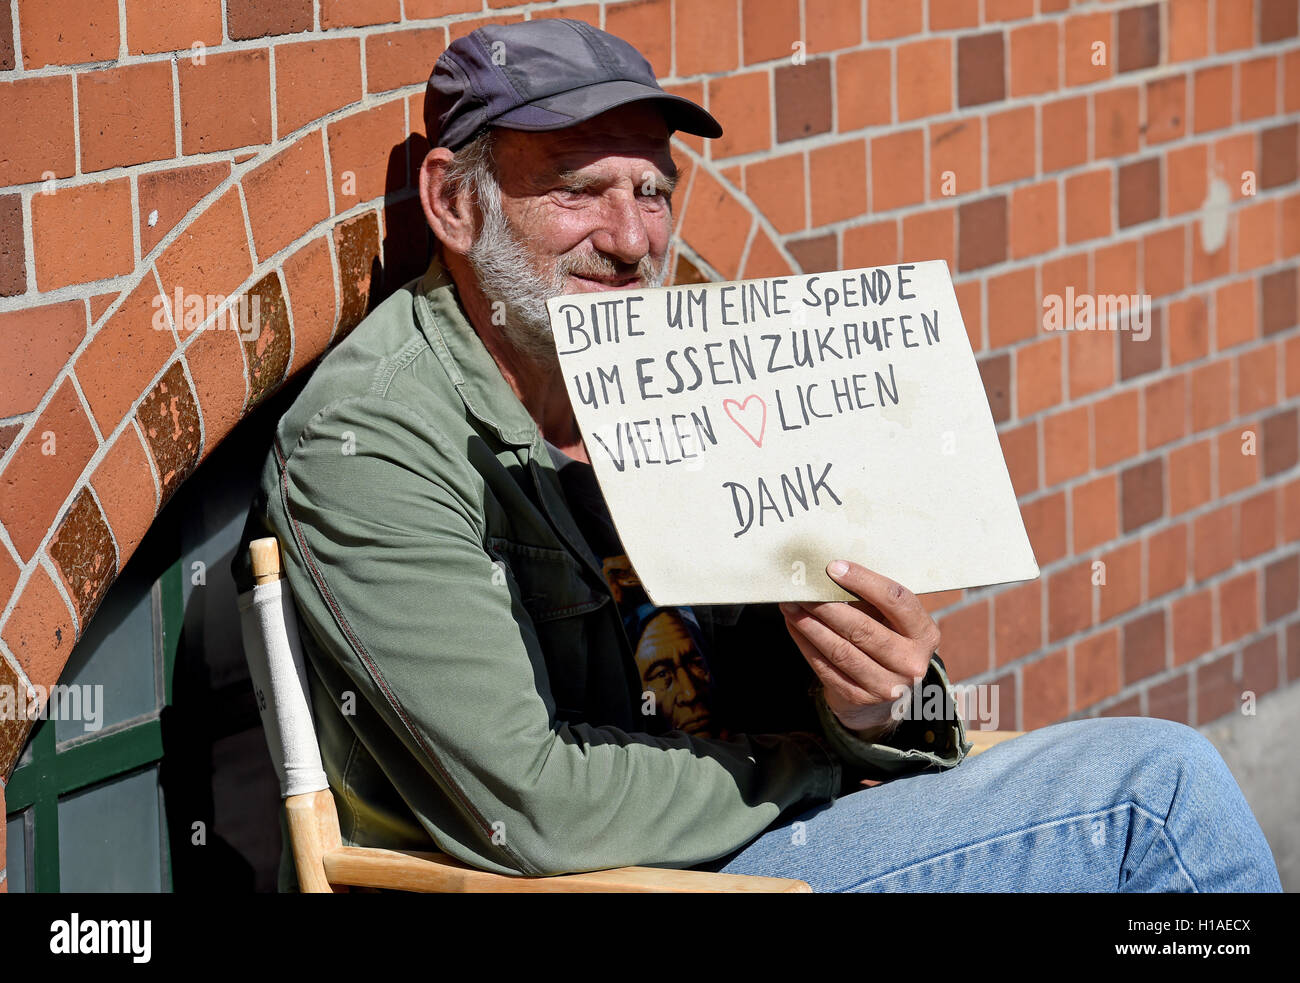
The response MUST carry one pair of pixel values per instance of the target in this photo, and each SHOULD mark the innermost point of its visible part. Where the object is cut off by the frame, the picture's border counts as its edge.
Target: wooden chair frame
(325, 865)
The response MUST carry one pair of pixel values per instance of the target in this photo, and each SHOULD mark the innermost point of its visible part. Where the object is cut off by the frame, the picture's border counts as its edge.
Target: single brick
(948, 15)
(1069, 600)
(981, 233)
(716, 225)
(1034, 219)
(995, 373)
(710, 45)
(864, 81)
(166, 196)
(1139, 192)
(37, 342)
(1046, 696)
(819, 254)
(1277, 20)
(1015, 306)
(1035, 57)
(897, 170)
(82, 234)
(980, 69)
(1012, 139)
(356, 244)
(1138, 38)
(1117, 124)
(734, 98)
(126, 353)
(1089, 48)
(358, 13)
(398, 58)
(1065, 133)
(40, 631)
(955, 158)
(44, 469)
(126, 116)
(83, 552)
(1166, 559)
(1234, 28)
(1066, 448)
(1189, 29)
(1278, 155)
(1278, 438)
(363, 165)
(208, 91)
(1045, 523)
(776, 186)
(828, 24)
(1190, 477)
(1021, 449)
(257, 18)
(126, 489)
(1277, 301)
(803, 99)
(924, 78)
(932, 234)
(13, 251)
(1096, 668)
(1171, 700)
(68, 33)
(171, 25)
(267, 353)
(1142, 494)
(288, 195)
(309, 279)
(1115, 428)
(1212, 98)
(1017, 622)
(7, 64)
(894, 18)
(211, 255)
(649, 21)
(838, 179)
(1144, 646)
(1166, 109)
(169, 420)
(314, 78)
(1087, 205)
(39, 137)
(1282, 588)
(770, 26)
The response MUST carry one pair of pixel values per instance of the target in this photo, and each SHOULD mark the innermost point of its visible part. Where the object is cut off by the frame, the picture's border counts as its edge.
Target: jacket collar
(473, 371)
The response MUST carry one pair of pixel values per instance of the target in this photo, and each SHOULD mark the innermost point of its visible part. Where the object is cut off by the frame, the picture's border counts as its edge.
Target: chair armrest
(982, 740)
(437, 873)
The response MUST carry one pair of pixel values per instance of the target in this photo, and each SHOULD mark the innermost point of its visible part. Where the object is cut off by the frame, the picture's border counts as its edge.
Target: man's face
(581, 209)
(674, 670)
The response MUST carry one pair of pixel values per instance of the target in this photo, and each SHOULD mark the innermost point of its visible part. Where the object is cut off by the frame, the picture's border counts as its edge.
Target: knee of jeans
(1176, 742)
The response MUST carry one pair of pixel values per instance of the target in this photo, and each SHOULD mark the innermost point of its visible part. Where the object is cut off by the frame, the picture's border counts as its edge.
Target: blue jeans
(1107, 804)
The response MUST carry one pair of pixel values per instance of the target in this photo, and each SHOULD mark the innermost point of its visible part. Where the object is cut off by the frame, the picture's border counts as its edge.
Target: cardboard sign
(746, 434)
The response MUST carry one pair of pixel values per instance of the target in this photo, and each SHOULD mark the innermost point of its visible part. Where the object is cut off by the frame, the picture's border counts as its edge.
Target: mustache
(603, 266)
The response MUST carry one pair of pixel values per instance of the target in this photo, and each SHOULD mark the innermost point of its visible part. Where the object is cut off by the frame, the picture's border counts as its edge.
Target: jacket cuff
(931, 734)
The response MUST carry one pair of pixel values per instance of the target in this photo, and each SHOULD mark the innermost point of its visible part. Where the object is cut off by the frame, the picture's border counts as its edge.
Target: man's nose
(622, 231)
(685, 685)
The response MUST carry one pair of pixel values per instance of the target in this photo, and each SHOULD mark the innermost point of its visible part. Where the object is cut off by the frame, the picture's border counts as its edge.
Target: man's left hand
(863, 650)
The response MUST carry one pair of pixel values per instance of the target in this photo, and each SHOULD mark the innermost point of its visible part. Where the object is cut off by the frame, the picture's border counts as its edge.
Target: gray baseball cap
(543, 75)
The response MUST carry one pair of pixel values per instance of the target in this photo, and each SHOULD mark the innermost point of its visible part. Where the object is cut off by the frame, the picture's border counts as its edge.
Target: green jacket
(472, 683)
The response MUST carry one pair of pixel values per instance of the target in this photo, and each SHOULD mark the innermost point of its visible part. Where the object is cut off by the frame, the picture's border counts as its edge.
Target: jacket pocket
(557, 599)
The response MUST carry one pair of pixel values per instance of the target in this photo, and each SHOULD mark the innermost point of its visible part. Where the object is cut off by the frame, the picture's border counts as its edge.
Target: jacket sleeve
(931, 733)
(391, 575)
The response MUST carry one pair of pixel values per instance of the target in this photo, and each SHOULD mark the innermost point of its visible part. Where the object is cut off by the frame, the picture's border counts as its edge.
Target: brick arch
(309, 233)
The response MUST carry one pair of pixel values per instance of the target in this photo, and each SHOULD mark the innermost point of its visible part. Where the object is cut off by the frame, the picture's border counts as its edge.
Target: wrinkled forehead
(635, 135)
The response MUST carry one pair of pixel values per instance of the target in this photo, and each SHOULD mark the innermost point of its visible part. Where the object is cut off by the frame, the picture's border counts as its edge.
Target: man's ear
(451, 217)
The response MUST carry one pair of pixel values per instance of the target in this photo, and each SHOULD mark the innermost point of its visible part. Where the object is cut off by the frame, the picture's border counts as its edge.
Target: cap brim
(581, 104)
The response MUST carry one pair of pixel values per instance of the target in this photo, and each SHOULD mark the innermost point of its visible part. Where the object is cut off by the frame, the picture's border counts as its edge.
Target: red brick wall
(246, 146)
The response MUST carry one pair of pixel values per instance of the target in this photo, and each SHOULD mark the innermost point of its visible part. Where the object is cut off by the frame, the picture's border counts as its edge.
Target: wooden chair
(324, 864)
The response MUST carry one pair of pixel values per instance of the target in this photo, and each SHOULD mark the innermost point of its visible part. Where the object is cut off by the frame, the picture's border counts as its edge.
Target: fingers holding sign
(864, 650)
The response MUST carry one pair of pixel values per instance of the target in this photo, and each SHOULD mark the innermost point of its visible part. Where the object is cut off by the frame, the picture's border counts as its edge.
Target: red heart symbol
(727, 404)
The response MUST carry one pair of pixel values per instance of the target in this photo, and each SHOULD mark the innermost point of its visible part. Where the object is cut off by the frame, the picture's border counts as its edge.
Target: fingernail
(838, 569)
(789, 608)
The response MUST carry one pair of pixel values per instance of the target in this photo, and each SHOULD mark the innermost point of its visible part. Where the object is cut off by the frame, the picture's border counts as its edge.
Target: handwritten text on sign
(746, 433)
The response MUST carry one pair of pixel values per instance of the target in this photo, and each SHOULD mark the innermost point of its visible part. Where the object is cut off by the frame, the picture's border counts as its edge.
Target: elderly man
(487, 675)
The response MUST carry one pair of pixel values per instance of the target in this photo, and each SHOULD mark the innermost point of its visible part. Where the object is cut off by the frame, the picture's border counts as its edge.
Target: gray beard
(518, 291)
